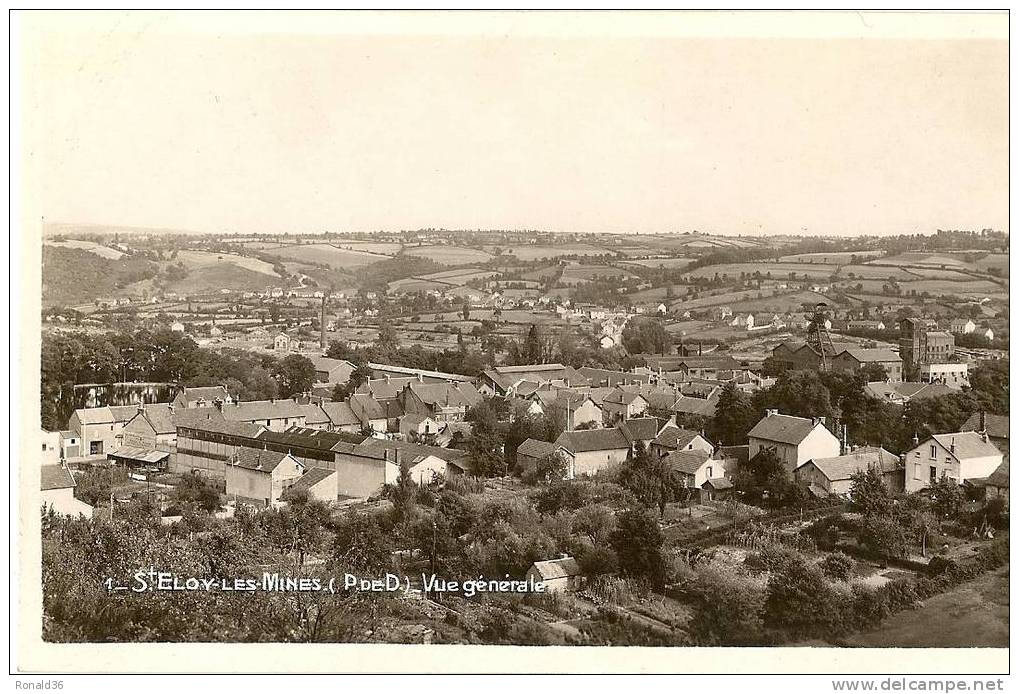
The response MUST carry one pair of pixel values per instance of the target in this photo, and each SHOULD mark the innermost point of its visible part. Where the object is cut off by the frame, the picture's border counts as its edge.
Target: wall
(589, 462)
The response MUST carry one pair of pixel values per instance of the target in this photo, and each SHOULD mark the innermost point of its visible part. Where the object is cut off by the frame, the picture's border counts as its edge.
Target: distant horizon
(127, 228)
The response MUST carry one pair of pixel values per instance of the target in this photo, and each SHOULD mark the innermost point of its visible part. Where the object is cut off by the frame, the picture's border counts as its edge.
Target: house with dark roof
(206, 441)
(623, 404)
(57, 492)
(331, 371)
(152, 427)
(276, 415)
(853, 359)
(100, 429)
(594, 449)
(204, 396)
(959, 456)
(557, 575)
(531, 451)
(794, 440)
(834, 475)
(641, 430)
(694, 467)
(443, 402)
(500, 380)
(259, 477)
(994, 425)
(673, 438)
(995, 485)
(716, 489)
(320, 484)
(370, 412)
(341, 417)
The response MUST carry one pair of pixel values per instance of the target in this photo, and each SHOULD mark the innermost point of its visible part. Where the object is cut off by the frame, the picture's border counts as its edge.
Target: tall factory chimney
(322, 323)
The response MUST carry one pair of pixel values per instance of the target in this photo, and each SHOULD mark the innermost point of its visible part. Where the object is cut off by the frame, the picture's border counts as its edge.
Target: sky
(307, 126)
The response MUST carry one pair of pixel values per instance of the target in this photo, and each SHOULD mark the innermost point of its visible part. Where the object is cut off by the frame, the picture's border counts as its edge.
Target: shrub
(802, 602)
(901, 594)
(837, 566)
(729, 607)
(869, 606)
(771, 559)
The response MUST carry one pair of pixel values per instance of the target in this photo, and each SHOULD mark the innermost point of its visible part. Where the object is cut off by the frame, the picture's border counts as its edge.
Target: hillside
(73, 276)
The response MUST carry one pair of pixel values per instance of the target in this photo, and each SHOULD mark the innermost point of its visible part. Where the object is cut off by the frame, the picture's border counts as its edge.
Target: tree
(465, 310)
(868, 493)
(989, 386)
(294, 374)
(192, 489)
(405, 492)
(946, 498)
(765, 477)
(638, 542)
(554, 467)
(646, 336)
(883, 535)
(359, 545)
(734, 417)
(801, 601)
(358, 377)
(873, 372)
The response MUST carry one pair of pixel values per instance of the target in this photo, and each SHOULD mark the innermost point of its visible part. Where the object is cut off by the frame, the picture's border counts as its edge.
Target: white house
(57, 492)
(959, 456)
(794, 440)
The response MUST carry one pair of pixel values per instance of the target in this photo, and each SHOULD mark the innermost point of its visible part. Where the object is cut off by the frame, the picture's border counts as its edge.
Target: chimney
(983, 435)
(387, 378)
(952, 447)
(421, 378)
(322, 324)
(916, 439)
(770, 413)
(983, 421)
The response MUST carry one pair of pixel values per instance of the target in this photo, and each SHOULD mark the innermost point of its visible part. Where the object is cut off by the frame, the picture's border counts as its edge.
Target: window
(934, 452)
(709, 472)
(934, 474)
(917, 475)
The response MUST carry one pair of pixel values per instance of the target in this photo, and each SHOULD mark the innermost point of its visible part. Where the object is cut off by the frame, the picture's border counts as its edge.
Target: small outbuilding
(557, 575)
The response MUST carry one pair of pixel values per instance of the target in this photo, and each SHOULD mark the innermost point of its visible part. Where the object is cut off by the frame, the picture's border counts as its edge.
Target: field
(997, 261)
(212, 278)
(548, 252)
(90, 246)
(657, 263)
(324, 253)
(841, 258)
(780, 271)
(974, 614)
(749, 300)
(932, 260)
(449, 255)
(369, 247)
(202, 259)
(576, 274)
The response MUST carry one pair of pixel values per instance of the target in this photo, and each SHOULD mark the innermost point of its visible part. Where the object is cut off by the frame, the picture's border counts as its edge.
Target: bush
(837, 566)
(869, 606)
(802, 602)
(901, 594)
(729, 607)
(771, 559)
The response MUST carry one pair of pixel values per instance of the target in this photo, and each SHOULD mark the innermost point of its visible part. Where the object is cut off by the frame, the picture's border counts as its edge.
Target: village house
(331, 371)
(901, 393)
(955, 375)
(319, 484)
(959, 456)
(962, 326)
(341, 417)
(557, 575)
(499, 379)
(282, 343)
(590, 451)
(415, 427)
(642, 430)
(825, 476)
(57, 492)
(369, 412)
(444, 402)
(621, 404)
(427, 464)
(70, 445)
(201, 397)
(852, 359)
(673, 438)
(153, 429)
(578, 411)
(101, 429)
(260, 477)
(995, 486)
(694, 467)
(276, 415)
(315, 417)
(716, 489)
(52, 452)
(994, 425)
(531, 451)
(794, 440)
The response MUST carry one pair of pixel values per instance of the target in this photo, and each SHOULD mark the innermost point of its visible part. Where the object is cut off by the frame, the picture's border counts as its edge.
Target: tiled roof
(535, 448)
(366, 406)
(687, 462)
(843, 467)
(258, 459)
(782, 428)
(340, 414)
(95, 415)
(55, 477)
(995, 424)
(557, 568)
(999, 478)
(259, 410)
(311, 478)
(315, 439)
(639, 429)
(967, 444)
(674, 437)
(209, 419)
(313, 414)
(593, 440)
(718, 483)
